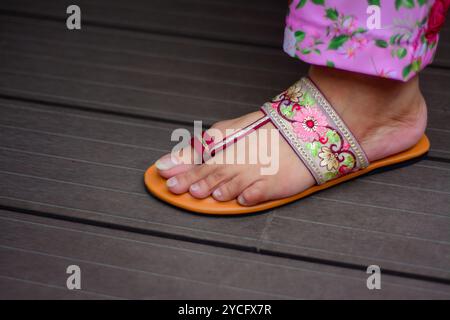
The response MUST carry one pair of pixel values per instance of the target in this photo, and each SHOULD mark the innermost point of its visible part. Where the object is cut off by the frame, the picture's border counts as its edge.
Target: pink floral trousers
(336, 33)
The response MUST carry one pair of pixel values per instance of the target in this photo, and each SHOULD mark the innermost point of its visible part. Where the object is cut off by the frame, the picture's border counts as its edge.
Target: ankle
(374, 107)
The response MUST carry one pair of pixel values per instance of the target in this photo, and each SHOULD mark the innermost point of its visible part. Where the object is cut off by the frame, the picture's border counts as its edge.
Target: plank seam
(70, 106)
(156, 31)
(221, 244)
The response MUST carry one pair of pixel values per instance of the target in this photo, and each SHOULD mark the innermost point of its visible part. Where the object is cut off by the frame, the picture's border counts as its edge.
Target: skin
(385, 116)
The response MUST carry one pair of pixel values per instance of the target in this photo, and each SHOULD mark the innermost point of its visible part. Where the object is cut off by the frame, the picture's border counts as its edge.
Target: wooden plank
(141, 46)
(94, 48)
(260, 24)
(155, 85)
(228, 23)
(116, 264)
(20, 289)
(79, 165)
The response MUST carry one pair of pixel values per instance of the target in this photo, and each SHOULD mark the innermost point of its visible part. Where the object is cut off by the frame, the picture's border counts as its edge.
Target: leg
(386, 117)
(351, 66)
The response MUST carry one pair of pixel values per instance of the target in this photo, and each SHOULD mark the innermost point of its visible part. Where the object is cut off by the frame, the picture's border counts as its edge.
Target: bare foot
(385, 116)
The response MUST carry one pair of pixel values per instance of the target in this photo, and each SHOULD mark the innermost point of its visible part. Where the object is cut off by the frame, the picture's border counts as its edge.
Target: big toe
(173, 164)
(169, 166)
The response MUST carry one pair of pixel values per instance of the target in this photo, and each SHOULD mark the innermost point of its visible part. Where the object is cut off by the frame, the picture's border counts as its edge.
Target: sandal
(316, 133)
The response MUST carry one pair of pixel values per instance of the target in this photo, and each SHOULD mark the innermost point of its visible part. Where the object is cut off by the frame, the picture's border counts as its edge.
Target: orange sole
(157, 186)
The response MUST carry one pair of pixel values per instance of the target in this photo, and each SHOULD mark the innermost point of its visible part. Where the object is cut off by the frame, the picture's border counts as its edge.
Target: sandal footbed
(157, 186)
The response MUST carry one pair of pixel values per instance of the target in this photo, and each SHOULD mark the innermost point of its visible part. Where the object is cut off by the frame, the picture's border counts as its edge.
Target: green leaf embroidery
(374, 2)
(423, 39)
(332, 136)
(421, 2)
(313, 148)
(396, 38)
(423, 21)
(330, 64)
(299, 35)
(393, 38)
(404, 3)
(307, 100)
(349, 161)
(306, 51)
(300, 4)
(337, 41)
(331, 14)
(401, 53)
(359, 30)
(381, 43)
(330, 175)
(287, 111)
(406, 70)
(416, 65)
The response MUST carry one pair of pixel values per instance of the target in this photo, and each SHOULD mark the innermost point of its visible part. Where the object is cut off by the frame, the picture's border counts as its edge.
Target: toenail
(167, 162)
(217, 194)
(194, 187)
(172, 182)
(241, 200)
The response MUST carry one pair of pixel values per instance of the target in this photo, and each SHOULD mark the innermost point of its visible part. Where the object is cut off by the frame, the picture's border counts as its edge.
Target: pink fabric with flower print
(315, 132)
(335, 33)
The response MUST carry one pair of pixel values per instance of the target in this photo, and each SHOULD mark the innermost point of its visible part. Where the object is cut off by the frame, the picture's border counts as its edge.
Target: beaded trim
(315, 132)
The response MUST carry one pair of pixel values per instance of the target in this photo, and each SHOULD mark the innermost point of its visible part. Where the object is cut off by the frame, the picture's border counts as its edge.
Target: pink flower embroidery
(360, 41)
(345, 146)
(387, 73)
(436, 19)
(310, 124)
(347, 51)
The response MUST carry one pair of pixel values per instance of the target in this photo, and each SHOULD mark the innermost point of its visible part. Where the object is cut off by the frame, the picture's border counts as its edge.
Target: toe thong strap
(316, 133)
(207, 147)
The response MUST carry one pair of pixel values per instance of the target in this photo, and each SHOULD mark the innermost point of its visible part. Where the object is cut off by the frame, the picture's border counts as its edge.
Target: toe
(232, 188)
(173, 164)
(256, 193)
(179, 169)
(167, 162)
(205, 186)
(180, 183)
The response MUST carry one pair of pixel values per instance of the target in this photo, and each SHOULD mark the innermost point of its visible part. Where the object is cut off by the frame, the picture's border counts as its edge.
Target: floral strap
(315, 132)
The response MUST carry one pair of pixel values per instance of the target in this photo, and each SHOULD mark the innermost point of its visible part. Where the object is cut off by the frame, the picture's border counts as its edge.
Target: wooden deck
(84, 113)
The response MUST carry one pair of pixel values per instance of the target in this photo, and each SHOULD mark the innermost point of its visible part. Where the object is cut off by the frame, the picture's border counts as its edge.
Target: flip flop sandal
(315, 132)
